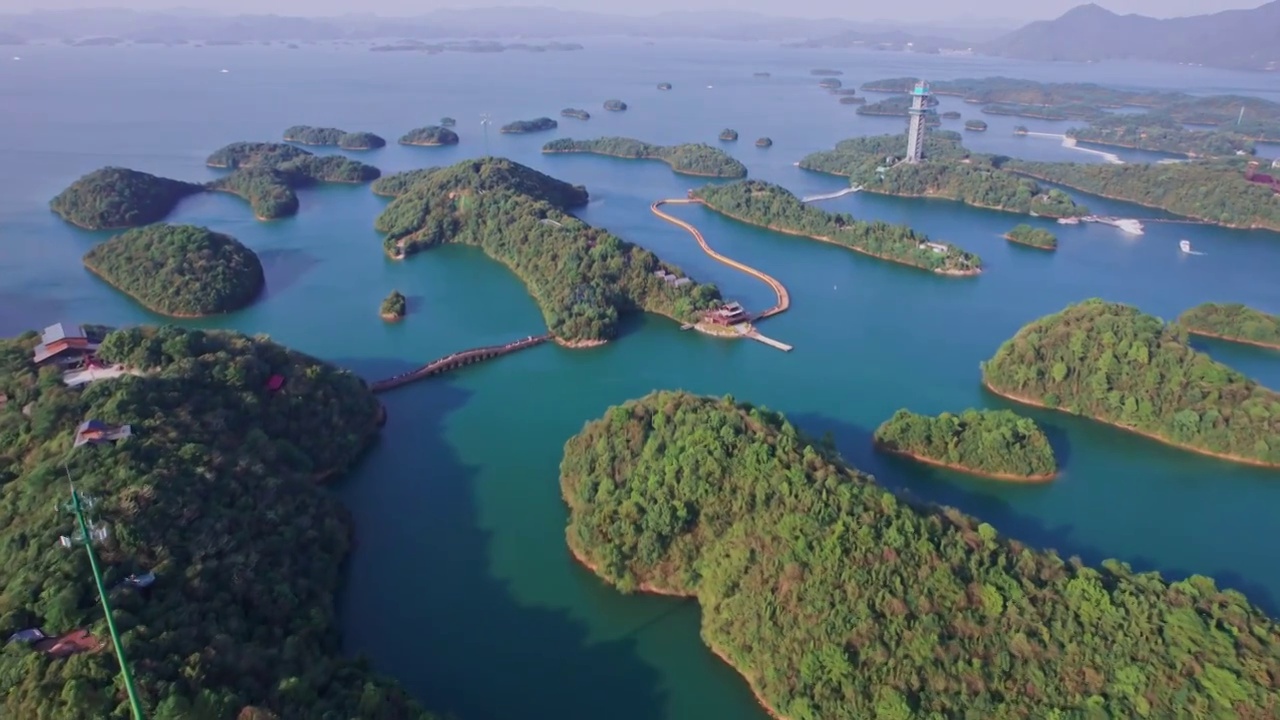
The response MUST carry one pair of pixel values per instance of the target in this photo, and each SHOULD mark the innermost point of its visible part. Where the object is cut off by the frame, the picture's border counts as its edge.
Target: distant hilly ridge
(1234, 39)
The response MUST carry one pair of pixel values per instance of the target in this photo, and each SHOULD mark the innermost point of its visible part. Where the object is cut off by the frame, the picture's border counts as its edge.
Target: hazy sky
(851, 9)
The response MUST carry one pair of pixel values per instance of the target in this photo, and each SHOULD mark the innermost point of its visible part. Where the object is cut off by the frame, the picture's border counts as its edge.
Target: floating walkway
(833, 195)
(456, 360)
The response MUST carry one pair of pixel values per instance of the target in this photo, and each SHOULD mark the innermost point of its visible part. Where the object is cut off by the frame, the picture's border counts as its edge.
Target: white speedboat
(1184, 246)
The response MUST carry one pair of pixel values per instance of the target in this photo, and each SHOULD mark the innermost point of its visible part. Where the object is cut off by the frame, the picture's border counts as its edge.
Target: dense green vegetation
(1233, 321)
(309, 135)
(217, 493)
(689, 158)
(430, 135)
(975, 125)
(949, 171)
(950, 115)
(1115, 364)
(728, 135)
(837, 599)
(851, 100)
(1035, 237)
(764, 142)
(268, 174)
(527, 126)
(393, 306)
(898, 106)
(1213, 191)
(448, 122)
(1075, 111)
(824, 72)
(582, 278)
(111, 197)
(179, 270)
(767, 205)
(830, 84)
(615, 105)
(361, 140)
(575, 113)
(1161, 134)
(398, 183)
(998, 443)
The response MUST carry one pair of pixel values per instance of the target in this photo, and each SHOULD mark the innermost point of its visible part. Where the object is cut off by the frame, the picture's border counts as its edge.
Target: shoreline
(1227, 338)
(664, 161)
(391, 317)
(577, 344)
(425, 144)
(1023, 243)
(868, 253)
(1149, 435)
(1004, 477)
(179, 316)
(651, 589)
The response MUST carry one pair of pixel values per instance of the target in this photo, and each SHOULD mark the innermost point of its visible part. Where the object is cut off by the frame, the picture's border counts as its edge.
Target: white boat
(1069, 221)
(1133, 227)
(1184, 246)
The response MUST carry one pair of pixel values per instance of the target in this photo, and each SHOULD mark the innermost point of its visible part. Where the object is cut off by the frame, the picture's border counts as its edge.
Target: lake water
(460, 585)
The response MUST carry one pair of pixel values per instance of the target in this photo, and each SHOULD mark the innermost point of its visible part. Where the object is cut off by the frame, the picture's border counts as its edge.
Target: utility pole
(87, 535)
(484, 123)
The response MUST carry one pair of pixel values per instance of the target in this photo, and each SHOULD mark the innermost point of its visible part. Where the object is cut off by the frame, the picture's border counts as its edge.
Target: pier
(832, 195)
(453, 361)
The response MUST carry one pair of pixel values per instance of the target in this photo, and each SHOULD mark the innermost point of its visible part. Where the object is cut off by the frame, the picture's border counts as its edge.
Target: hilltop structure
(916, 127)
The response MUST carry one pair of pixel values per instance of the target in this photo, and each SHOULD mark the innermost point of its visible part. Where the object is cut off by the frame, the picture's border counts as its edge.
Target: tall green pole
(125, 672)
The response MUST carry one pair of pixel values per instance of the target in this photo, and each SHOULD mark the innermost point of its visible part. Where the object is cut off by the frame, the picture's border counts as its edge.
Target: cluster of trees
(393, 306)
(112, 197)
(267, 174)
(1211, 190)
(949, 171)
(527, 126)
(1233, 321)
(774, 207)
(582, 278)
(430, 135)
(837, 599)
(729, 135)
(764, 142)
(1033, 236)
(397, 183)
(688, 159)
(448, 122)
(1072, 111)
(217, 494)
(179, 270)
(575, 113)
(975, 125)
(308, 135)
(818, 72)
(898, 106)
(1161, 133)
(1115, 364)
(830, 84)
(999, 443)
(615, 105)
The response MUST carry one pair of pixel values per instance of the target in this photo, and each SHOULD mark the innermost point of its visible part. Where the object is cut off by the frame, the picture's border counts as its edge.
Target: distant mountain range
(1237, 39)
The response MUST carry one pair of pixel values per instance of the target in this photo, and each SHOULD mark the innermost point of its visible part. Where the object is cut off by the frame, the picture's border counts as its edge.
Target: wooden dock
(453, 361)
(768, 341)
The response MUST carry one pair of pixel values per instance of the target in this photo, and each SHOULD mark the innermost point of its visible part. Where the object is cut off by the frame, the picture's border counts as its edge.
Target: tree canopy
(216, 493)
(1024, 234)
(999, 443)
(1115, 364)
(267, 174)
(430, 135)
(615, 105)
(179, 270)
(110, 198)
(1233, 321)
(393, 306)
(527, 126)
(687, 159)
(582, 278)
(308, 135)
(837, 599)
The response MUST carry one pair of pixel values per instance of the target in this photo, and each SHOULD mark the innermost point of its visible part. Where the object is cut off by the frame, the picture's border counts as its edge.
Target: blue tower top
(921, 88)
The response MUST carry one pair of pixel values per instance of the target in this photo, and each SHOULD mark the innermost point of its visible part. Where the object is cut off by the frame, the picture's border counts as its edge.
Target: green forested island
(830, 84)
(950, 115)
(996, 443)
(898, 106)
(528, 126)
(764, 142)
(688, 159)
(267, 174)
(1234, 322)
(308, 135)
(1161, 134)
(179, 270)
(112, 197)
(1117, 365)
(393, 306)
(975, 125)
(825, 72)
(851, 100)
(949, 171)
(615, 105)
(575, 113)
(218, 493)
(429, 136)
(1024, 234)
(582, 278)
(1214, 191)
(766, 205)
(728, 135)
(448, 122)
(397, 183)
(835, 598)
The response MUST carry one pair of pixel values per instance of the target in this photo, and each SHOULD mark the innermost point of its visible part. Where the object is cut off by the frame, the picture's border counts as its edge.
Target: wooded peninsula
(948, 171)
(774, 207)
(112, 198)
(1115, 364)
(242, 625)
(835, 598)
(267, 174)
(582, 278)
(179, 270)
(687, 159)
(996, 443)
(1233, 322)
(308, 135)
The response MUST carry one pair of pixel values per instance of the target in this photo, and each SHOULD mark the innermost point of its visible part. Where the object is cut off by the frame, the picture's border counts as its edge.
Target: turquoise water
(460, 585)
